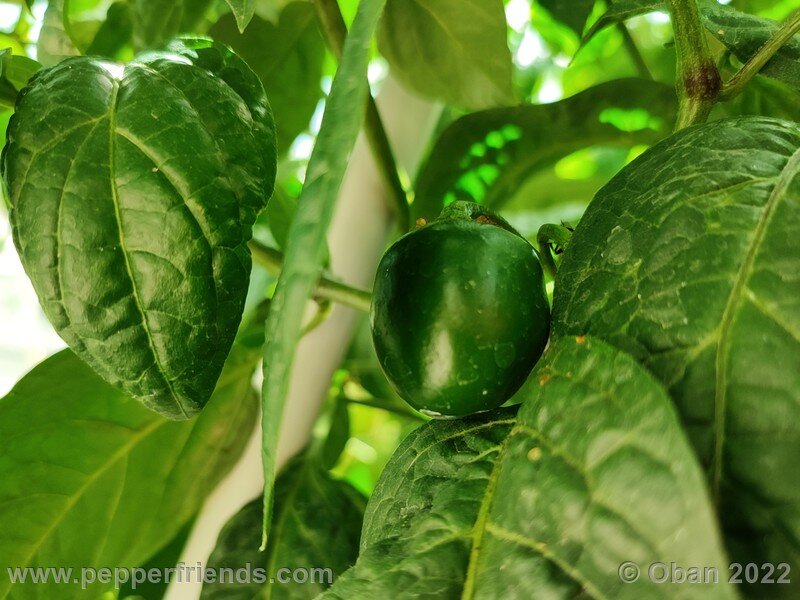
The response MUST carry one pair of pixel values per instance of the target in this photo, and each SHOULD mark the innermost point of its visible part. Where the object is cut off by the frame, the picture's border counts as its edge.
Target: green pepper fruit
(459, 312)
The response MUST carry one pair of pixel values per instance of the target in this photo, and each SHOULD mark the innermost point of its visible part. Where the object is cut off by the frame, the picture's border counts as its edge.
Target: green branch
(698, 82)
(327, 289)
(632, 49)
(751, 68)
(335, 30)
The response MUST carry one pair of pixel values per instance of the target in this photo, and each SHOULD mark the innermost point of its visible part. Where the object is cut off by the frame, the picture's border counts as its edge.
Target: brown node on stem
(420, 223)
(704, 83)
(484, 220)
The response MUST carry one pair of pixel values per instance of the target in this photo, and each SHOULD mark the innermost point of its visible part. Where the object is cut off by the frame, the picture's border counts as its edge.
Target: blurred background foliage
(546, 135)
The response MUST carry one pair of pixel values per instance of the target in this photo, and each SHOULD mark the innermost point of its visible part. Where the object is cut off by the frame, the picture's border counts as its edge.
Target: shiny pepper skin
(459, 314)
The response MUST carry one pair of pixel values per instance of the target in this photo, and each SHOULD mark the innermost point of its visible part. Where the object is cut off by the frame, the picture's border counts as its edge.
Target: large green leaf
(90, 478)
(452, 50)
(316, 524)
(305, 249)
(288, 58)
(486, 156)
(133, 191)
(690, 260)
(594, 471)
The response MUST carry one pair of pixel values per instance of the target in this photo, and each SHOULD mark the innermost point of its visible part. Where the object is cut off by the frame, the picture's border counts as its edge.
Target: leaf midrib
(729, 317)
(112, 136)
(93, 478)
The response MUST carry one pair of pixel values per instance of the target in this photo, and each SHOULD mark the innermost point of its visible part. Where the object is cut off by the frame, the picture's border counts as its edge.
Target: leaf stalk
(327, 288)
(335, 30)
(752, 67)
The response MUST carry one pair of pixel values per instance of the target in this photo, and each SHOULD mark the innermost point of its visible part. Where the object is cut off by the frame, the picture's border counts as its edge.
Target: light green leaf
(452, 50)
(594, 471)
(15, 72)
(280, 214)
(288, 58)
(54, 42)
(93, 479)
(572, 13)
(486, 156)
(146, 282)
(243, 10)
(165, 558)
(620, 11)
(305, 249)
(689, 260)
(316, 525)
(156, 21)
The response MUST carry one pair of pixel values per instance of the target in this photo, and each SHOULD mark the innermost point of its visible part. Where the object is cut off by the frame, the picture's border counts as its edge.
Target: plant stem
(411, 414)
(335, 30)
(751, 68)
(633, 49)
(548, 237)
(328, 289)
(633, 52)
(698, 82)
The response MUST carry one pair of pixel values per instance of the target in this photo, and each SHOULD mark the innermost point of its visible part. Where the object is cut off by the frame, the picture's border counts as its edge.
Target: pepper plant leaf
(316, 522)
(243, 10)
(287, 57)
(133, 191)
(689, 260)
(452, 50)
(305, 247)
(93, 479)
(486, 156)
(572, 13)
(593, 471)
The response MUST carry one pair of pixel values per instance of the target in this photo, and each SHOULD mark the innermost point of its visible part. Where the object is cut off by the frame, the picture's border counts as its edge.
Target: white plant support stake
(356, 240)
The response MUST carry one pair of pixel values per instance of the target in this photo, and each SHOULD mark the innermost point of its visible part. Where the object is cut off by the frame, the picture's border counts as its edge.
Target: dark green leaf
(243, 10)
(93, 479)
(115, 33)
(305, 249)
(572, 13)
(486, 156)
(744, 35)
(316, 525)
(689, 260)
(453, 50)
(766, 97)
(594, 471)
(288, 58)
(146, 282)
